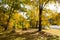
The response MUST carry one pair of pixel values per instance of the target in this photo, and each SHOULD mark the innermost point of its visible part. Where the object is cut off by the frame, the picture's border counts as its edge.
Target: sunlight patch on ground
(53, 31)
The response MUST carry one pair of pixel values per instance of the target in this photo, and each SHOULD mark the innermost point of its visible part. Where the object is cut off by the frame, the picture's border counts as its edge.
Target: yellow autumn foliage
(27, 24)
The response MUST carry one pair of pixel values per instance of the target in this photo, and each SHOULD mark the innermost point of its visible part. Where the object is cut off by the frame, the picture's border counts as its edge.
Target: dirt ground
(31, 34)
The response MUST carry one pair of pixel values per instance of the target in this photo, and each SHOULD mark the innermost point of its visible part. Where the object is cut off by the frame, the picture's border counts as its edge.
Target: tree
(8, 8)
(41, 6)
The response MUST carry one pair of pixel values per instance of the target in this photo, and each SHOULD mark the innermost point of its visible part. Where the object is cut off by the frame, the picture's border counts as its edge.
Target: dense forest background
(19, 14)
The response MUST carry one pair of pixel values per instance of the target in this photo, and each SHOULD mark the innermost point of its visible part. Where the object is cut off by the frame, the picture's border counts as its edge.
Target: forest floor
(50, 31)
(32, 34)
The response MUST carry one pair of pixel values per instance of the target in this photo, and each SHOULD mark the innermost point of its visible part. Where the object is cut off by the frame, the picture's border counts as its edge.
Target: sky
(0, 0)
(53, 6)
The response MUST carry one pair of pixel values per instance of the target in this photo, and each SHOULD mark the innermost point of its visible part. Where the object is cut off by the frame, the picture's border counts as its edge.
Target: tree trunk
(10, 14)
(40, 13)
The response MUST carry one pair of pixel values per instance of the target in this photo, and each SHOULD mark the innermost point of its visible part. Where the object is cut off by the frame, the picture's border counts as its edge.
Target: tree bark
(40, 13)
(10, 14)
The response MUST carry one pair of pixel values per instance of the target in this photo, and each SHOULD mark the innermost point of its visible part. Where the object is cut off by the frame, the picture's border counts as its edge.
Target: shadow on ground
(29, 36)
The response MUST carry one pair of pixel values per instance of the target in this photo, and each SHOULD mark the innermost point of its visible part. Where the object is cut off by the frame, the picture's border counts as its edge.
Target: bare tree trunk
(40, 13)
